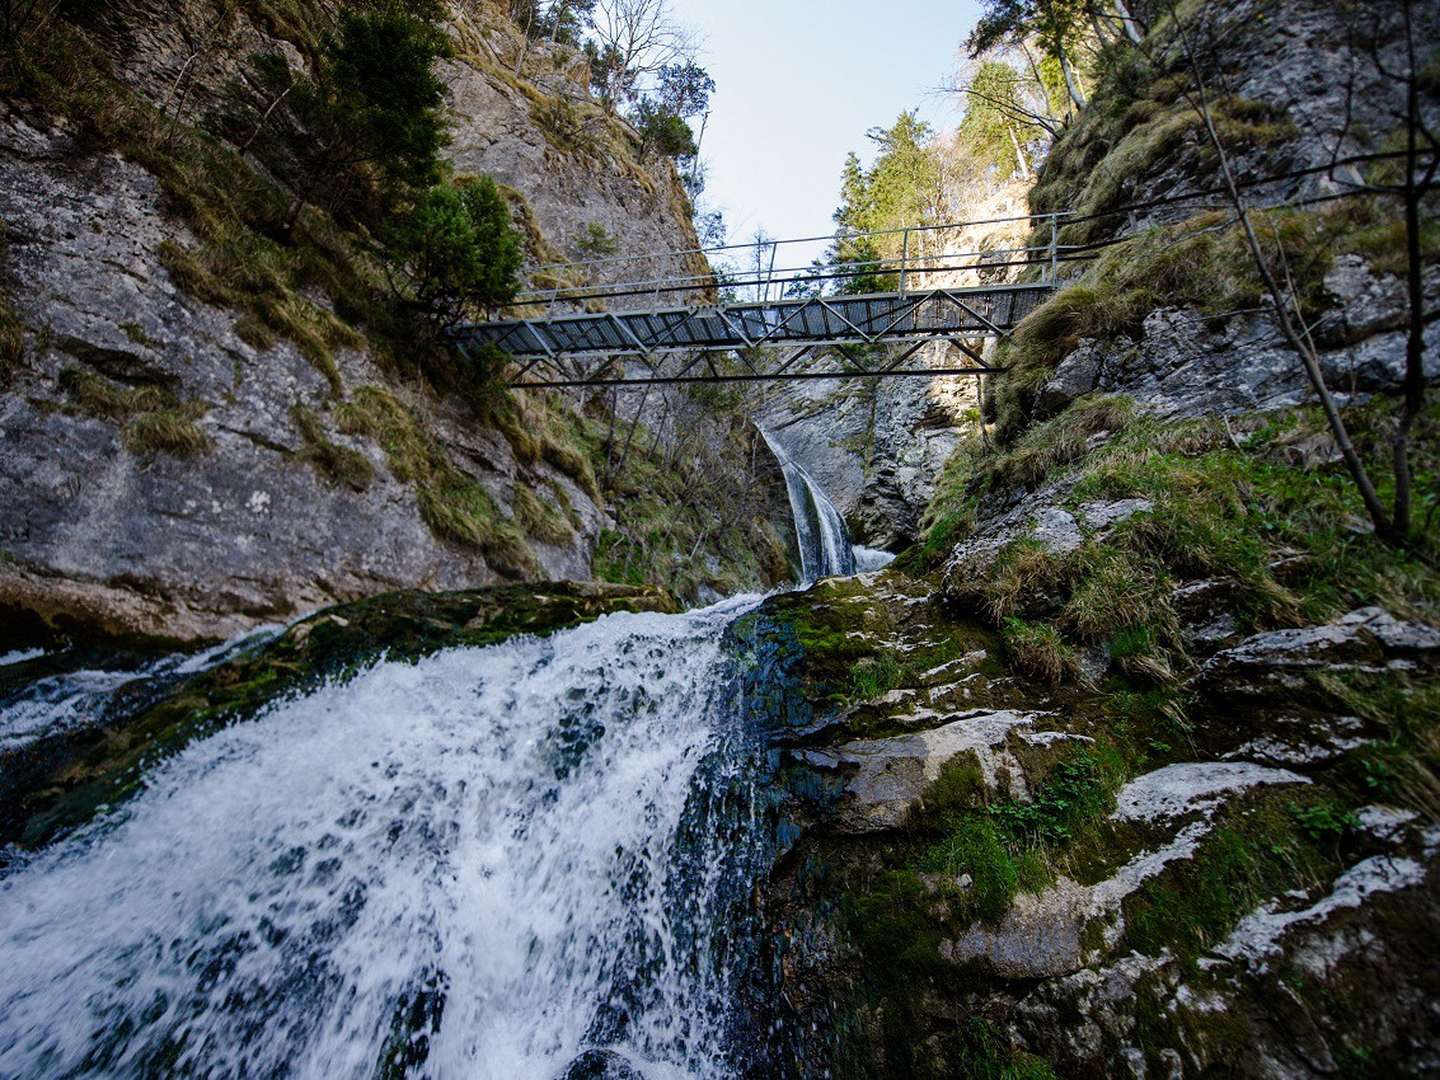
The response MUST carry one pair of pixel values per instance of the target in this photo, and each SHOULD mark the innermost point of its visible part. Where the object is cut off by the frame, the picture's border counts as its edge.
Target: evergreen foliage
(994, 129)
(455, 250)
(902, 188)
(362, 128)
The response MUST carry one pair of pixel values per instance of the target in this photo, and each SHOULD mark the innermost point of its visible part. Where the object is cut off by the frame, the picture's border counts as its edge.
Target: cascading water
(820, 533)
(528, 860)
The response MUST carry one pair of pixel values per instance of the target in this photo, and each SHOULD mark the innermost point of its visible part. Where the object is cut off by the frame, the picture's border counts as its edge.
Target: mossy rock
(53, 786)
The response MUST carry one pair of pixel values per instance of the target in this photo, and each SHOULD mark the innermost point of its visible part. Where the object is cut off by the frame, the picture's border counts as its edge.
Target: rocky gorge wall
(204, 428)
(877, 446)
(1128, 766)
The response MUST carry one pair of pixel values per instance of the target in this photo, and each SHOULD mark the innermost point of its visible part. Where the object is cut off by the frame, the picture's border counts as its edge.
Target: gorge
(364, 715)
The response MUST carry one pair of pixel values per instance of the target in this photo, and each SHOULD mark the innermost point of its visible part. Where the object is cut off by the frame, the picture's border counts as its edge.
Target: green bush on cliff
(362, 128)
(454, 251)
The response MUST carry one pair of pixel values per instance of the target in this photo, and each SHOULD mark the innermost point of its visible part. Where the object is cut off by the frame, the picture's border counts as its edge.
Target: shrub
(663, 132)
(367, 121)
(455, 250)
(596, 242)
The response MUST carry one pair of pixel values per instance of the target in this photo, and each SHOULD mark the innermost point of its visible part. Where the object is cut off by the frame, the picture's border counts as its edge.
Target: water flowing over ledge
(820, 533)
(485, 863)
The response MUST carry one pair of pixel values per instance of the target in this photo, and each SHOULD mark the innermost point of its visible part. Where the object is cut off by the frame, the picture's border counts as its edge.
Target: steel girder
(809, 323)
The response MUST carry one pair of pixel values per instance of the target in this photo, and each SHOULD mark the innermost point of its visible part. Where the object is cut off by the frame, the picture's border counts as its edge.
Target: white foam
(501, 823)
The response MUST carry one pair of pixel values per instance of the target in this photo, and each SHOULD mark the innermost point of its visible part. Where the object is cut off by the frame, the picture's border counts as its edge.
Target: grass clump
(244, 257)
(1039, 651)
(455, 507)
(876, 676)
(1280, 535)
(546, 521)
(166, 431)
(1201, 264)
(152, 419)
(338, 464)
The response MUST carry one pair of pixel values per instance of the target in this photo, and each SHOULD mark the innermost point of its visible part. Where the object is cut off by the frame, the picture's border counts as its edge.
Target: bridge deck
(813, 321)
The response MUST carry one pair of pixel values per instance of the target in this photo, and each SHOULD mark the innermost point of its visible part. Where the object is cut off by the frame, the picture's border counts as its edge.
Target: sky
(798, 83)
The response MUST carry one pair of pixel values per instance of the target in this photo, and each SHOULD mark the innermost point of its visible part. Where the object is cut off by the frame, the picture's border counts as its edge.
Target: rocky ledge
(1063, 880)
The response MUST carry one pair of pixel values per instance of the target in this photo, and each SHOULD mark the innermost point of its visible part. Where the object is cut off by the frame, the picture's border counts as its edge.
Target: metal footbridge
(704, 316)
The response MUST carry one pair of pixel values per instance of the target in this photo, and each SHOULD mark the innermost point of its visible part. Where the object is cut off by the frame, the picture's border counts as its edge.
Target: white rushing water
(820, 533)
(80, 698)
(478, 865)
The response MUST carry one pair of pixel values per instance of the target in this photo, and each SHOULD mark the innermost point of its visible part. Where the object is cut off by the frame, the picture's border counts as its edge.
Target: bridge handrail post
(904, 258)
(1054, 249)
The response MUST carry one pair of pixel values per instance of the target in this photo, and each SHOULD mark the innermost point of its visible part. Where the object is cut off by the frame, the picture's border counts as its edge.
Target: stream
(535, 859)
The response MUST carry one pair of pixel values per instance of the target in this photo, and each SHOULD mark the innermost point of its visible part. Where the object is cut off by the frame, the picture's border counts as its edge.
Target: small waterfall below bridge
(820, 533)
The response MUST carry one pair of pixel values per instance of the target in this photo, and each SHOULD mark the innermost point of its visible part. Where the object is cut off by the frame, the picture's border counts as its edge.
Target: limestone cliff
(206, 424)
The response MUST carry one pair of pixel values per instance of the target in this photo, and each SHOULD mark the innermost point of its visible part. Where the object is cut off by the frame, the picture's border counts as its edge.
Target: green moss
(1256, 855)
(338, 464)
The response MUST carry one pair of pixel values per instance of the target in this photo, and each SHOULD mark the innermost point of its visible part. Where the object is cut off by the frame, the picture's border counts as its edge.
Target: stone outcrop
(1072, 969)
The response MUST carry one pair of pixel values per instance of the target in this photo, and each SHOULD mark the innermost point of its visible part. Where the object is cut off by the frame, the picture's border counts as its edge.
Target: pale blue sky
(798, 82)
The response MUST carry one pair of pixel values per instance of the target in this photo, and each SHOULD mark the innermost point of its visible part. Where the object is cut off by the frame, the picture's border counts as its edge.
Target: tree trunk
(1019, 153)
(1133, 30)
(1072, 83)
(1414, 384)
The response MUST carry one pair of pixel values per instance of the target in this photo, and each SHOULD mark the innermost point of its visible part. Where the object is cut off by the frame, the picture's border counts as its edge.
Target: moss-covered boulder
(51, 786)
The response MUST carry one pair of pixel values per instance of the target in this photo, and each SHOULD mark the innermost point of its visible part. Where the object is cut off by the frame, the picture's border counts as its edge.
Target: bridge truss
(722, 335)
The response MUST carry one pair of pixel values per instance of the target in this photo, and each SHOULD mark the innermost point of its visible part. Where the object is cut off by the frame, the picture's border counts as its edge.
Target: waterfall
(820, 534)
(528, 860)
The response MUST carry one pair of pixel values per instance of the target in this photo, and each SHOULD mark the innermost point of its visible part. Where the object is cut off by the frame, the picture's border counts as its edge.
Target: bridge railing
(762, 274)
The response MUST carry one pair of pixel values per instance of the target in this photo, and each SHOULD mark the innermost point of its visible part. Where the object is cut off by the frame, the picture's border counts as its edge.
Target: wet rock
(1058, 931)
(1192, 787)
(1295, 741)
(1277, 660)
(601, 1065)
(885, 778)
(1260, 937)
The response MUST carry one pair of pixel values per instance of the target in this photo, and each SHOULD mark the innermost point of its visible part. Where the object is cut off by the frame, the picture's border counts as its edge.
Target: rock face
(109, 536)
(1091, 965)
(1181, 367)
(875, 447)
